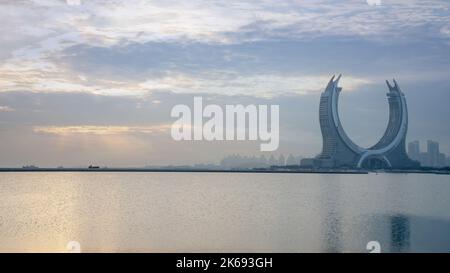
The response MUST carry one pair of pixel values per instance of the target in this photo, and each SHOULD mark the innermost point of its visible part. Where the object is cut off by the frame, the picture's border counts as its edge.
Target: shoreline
(176, 170)
(439, 172)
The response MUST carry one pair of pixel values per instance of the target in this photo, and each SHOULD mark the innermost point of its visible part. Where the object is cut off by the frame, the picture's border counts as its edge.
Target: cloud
(262, 85)
(101, 130)
(5, 108)
(117, 22)
(175, 76)
(35, 34)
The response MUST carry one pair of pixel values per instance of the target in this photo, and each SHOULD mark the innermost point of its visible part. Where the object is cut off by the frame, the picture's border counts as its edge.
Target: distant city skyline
(243, 161)
(432, 157)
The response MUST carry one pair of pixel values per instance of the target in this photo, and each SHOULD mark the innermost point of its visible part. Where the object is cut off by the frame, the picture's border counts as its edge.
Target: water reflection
(407, 233)
(331, 221)
(400, 233)
(343, 230)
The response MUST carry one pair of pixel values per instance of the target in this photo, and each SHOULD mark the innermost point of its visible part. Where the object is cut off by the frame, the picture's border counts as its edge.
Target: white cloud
(221, 82)
(35, 31)
(262, 85)
(102, 130)
(115, 22)
(5, 108)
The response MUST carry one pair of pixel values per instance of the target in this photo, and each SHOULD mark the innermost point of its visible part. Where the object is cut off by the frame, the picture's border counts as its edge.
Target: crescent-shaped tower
(339, 151)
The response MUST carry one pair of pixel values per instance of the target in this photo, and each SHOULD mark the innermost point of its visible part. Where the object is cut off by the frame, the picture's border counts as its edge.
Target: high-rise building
(414, 150)
(338, 150)
(433, 153)
(441, 160)
(424, 159)
(431, 158)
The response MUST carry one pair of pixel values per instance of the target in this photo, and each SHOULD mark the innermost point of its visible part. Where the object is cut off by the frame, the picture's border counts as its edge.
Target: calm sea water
(224, 212)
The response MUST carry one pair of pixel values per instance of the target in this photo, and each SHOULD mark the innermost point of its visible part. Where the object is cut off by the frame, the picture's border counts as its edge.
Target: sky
(93, 82)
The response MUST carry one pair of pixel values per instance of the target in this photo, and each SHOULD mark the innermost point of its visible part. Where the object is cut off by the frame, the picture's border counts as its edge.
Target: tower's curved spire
(397, 87)
(389, 85)
(395, 83)
(330, 83)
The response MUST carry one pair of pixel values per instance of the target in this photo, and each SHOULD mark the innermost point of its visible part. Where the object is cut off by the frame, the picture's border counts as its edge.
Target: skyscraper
(414, 150)
(441, 160)
(338, 150)
(433, 153)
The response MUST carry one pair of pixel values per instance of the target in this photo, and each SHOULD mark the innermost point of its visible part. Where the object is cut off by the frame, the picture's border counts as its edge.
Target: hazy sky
(93, 82)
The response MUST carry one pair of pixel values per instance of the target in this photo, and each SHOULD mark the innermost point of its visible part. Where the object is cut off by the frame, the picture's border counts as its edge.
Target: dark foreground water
(224, 212)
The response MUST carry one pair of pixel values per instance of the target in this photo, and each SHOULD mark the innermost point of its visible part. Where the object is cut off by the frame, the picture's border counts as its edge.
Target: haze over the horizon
(93, 82)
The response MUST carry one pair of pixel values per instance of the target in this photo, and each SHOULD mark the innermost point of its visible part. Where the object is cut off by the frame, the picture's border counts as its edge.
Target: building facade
(414, 150)
(339, 151)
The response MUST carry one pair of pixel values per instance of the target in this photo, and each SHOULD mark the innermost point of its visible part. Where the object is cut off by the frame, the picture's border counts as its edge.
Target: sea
(223, 212)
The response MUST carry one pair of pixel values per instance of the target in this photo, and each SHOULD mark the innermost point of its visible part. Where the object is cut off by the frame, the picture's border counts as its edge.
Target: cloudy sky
(93, 82)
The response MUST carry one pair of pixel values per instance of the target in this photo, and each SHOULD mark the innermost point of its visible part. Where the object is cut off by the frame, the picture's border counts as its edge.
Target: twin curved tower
(340, 151)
